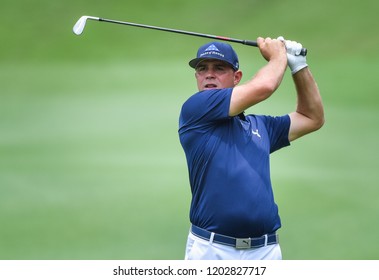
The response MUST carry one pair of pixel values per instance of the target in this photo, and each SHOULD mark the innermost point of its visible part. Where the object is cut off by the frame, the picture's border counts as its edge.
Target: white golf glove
(295, 61)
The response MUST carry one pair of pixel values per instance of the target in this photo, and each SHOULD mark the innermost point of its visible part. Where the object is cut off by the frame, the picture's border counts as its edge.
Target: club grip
(250, 43)
(303, 52)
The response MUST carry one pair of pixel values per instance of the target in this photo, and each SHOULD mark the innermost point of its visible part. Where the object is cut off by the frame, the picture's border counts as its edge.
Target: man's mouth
(210, 86)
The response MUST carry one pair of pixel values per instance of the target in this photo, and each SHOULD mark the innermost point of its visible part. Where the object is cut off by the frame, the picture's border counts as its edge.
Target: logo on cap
(212, 48)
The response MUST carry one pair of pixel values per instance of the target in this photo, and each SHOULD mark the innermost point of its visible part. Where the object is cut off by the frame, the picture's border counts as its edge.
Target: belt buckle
(243, 243)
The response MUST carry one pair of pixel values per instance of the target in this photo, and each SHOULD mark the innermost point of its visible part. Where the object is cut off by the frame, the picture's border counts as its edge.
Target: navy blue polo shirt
(229, 165)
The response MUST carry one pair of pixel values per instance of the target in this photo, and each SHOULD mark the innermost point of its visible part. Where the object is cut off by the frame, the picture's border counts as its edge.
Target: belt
(238, 243)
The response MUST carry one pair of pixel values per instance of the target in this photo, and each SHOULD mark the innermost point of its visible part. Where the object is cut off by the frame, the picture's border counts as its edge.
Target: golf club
(81, 23)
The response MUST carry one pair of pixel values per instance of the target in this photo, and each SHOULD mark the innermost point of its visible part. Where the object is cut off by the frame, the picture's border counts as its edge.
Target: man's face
(216, 74)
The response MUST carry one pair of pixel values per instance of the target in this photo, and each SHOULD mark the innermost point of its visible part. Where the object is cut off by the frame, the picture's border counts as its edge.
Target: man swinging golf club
(233, 212)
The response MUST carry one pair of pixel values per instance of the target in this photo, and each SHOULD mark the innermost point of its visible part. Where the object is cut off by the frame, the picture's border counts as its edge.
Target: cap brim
(194, 62)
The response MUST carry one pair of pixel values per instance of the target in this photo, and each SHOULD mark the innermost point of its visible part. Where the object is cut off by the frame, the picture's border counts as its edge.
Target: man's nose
(210, 73)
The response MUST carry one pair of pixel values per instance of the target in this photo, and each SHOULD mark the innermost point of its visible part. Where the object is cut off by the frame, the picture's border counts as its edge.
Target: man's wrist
(297, 68)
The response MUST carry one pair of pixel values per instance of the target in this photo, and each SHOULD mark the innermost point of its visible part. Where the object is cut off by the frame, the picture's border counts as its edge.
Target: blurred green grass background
(90, 161)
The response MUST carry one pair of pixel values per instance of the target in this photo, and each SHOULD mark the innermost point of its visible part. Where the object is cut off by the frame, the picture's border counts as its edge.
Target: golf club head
(81, 23)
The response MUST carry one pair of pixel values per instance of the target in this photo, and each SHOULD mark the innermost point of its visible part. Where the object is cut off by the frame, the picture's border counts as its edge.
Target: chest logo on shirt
(256, 133)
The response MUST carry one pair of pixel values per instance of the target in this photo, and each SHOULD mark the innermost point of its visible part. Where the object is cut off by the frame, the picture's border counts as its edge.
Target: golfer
(233, 212)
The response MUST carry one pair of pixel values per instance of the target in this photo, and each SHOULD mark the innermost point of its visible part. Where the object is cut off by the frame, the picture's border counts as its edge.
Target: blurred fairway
(90, 161)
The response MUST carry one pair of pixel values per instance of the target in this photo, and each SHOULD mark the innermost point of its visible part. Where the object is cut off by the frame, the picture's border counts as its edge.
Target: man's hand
(296, 62)
(271, 48)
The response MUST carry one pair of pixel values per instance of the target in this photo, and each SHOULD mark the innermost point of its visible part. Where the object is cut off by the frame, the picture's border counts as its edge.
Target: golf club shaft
(244, 42)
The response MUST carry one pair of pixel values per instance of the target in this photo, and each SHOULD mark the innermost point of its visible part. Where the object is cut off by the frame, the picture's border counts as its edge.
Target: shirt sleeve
(206, 107)
(278, 130)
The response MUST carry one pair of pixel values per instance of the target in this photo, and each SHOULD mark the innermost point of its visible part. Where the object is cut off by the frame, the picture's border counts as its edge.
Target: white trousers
(200, 249)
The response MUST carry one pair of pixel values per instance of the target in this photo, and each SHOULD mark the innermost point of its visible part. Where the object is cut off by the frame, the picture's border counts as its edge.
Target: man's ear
(237, 77)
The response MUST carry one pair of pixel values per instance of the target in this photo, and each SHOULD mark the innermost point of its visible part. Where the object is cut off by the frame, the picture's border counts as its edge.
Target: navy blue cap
(216, 50)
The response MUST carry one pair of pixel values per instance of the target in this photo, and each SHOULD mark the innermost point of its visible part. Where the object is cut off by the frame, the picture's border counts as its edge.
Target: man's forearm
(309, 102)
(259, 88)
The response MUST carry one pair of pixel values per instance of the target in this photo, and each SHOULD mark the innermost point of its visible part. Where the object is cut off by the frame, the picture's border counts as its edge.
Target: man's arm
(309, 115)
(265, 82)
